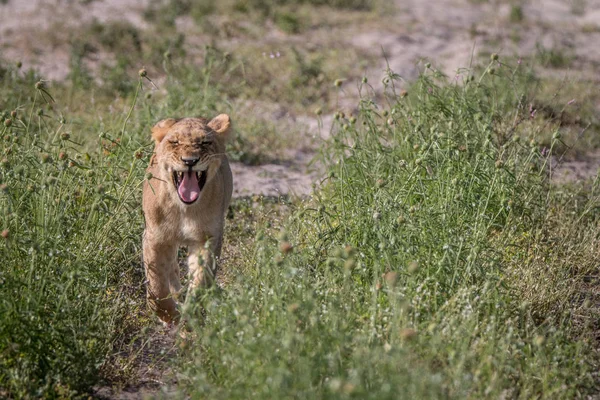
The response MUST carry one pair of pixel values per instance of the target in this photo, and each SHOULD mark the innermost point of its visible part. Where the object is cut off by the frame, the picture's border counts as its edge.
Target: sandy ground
(448, 33)
(25, 26)
(452, 31)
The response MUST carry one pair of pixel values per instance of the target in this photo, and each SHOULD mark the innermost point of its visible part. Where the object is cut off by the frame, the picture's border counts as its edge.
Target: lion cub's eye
(174, 142)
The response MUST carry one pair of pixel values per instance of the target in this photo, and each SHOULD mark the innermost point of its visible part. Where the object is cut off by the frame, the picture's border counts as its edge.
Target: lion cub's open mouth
(189, 184)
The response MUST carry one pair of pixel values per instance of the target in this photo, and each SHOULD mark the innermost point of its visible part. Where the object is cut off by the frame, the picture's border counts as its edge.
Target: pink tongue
(188, 188)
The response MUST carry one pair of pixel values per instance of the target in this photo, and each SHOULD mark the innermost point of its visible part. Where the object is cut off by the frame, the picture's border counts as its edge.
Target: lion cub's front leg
(203, 262)
(160, 264)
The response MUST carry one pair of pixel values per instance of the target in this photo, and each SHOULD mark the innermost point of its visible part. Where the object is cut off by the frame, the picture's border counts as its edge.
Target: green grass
(166, 11)
(70, 276)
(555, 106)
(554, 57)
(516, 15)
(72, 162)
(436, 262)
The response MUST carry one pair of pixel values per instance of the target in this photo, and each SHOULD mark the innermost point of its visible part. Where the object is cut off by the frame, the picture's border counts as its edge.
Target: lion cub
(184, 204)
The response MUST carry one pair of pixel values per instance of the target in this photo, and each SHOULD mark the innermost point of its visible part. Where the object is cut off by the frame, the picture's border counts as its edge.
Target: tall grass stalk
(415, 271)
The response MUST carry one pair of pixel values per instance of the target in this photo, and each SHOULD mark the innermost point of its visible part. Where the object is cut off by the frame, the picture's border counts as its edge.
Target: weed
(415, 269)
(578, 7)
(70, 266)
(553, 58)
(516, 15)
(288, 22)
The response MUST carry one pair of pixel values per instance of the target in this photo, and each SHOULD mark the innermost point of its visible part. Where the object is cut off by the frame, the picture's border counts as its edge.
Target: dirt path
(151, 363)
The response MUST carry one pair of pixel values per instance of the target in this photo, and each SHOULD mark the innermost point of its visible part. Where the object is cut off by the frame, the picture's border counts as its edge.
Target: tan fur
(170, 223)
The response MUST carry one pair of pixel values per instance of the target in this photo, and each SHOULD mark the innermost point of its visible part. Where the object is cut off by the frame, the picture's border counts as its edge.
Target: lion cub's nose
(190, 161)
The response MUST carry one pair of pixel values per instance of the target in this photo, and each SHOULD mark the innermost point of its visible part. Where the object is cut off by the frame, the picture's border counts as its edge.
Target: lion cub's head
(189, 152)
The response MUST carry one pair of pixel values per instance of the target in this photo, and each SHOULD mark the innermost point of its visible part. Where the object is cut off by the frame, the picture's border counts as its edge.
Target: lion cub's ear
(221, 124)
(159, 131)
